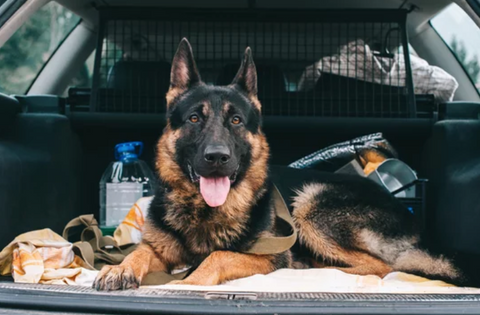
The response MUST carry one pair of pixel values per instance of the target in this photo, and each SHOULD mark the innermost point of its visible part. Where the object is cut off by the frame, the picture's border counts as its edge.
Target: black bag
(335, 156)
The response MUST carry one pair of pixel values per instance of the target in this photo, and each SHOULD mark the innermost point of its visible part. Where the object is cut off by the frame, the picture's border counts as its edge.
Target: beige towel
(43, 256)
(40, 257)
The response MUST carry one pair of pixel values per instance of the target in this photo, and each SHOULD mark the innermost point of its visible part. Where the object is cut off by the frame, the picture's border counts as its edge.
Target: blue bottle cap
(128, 150)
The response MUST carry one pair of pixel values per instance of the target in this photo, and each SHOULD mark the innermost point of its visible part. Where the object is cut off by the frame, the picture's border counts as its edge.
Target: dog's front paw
(116, 278)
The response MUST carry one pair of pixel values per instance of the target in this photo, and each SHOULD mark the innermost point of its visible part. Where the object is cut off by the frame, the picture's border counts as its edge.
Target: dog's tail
(421, 262)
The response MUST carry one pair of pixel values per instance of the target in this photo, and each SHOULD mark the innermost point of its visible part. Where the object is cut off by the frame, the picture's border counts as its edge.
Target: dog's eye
(236, 120)
(194, 118)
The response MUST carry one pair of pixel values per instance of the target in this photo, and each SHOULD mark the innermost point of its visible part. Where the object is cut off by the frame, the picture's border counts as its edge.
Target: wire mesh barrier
(315, 63)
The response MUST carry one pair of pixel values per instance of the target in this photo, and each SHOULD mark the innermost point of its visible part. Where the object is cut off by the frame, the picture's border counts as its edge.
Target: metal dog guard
(135, 48)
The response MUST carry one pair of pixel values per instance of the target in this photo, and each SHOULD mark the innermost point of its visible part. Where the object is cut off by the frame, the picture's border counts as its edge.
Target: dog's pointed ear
(246, 78)
(184, 73)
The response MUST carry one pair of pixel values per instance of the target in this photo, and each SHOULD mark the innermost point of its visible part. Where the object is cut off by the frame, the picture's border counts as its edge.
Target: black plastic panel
(40, 173)
(459, 110)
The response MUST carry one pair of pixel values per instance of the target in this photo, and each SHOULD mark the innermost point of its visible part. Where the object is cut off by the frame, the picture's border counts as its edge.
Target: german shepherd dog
(215, 199)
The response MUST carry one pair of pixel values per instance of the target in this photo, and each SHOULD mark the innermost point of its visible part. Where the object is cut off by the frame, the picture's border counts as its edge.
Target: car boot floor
(145, 300)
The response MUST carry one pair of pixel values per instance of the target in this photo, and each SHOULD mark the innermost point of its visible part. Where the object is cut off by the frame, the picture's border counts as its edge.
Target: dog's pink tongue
(214, 190)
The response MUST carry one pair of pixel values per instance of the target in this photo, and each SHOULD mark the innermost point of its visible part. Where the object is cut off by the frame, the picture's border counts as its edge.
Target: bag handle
(93, 246)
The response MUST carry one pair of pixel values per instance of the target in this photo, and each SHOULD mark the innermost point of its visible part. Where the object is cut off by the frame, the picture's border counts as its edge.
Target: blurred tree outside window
(25, 53)
(462, 36)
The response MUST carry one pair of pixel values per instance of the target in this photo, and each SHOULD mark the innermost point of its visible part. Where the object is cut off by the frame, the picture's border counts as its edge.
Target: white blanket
(318, 280)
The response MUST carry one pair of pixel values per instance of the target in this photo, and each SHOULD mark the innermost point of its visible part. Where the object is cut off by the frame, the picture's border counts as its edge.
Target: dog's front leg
(221, 266)
(131, 271)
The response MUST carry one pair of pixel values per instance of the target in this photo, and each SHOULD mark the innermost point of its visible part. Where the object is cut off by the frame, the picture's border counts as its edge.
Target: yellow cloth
(43, 256)
(40, 257)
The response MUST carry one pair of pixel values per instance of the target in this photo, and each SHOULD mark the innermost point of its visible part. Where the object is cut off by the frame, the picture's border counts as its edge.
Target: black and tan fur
(342, 221)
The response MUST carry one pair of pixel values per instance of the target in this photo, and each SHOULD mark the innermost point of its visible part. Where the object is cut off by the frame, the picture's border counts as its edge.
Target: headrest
(143, 77)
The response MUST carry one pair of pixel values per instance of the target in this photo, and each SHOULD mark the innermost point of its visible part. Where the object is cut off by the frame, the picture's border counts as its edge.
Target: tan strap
(97, 250)
(93, 246)
(85, 251)
(85, 220)
(269, 245)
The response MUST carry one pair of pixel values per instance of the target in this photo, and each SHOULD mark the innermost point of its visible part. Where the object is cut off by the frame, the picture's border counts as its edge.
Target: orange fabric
(43, 256)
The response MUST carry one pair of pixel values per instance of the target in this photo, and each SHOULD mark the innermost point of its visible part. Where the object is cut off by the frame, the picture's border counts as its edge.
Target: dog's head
(213, 138)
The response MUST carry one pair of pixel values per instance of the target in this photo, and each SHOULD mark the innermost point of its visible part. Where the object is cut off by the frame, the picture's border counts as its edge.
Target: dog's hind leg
(362, 226)
(358, 262)
(363, 264)
(313, 233)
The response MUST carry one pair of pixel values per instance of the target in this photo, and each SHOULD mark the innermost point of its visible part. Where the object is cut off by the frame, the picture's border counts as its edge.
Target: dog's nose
(217, 154)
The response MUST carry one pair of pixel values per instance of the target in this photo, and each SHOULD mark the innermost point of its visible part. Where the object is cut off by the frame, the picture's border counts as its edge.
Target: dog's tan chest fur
(203, 231)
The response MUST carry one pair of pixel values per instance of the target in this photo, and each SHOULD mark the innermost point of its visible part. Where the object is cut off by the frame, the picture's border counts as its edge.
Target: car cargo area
(314, 61)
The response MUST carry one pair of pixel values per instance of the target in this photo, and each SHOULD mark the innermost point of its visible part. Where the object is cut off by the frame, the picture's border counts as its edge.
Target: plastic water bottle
(124, 182)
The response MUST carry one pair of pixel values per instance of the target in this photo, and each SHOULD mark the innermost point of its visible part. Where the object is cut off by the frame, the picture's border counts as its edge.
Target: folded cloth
(40, 257)
(43, 256)
(356, 60)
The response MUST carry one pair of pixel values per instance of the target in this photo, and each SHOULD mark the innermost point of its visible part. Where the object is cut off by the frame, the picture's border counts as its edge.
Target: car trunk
(54, 150)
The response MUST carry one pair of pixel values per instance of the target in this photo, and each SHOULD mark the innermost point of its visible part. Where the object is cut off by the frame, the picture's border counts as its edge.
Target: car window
(462, 36)
(25, 53)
